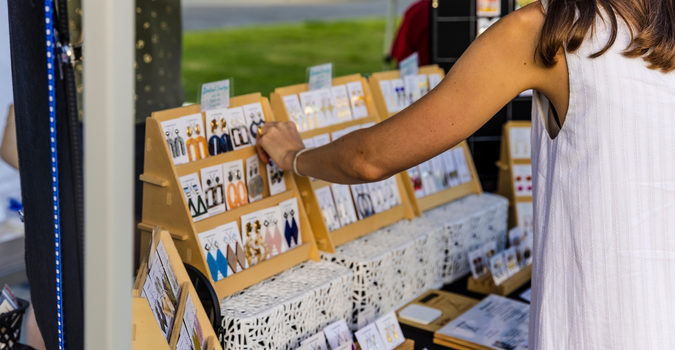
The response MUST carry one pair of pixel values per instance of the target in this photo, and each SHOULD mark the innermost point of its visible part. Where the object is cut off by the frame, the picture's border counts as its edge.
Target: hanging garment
(604, 204)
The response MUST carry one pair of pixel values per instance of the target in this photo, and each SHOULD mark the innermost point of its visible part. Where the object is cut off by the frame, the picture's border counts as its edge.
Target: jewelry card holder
(378, 95)
(327, 241)
(146, 333)
(164, 203)
(508, 161)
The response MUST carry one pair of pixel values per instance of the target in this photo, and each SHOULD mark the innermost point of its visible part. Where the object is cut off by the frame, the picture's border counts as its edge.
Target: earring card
(254, 181)
(175, 136)
(255, 117)
(215, 250)
(213, 184)
(239, 130)
(215, 124)
(192, 189)
(195, 144)
(390, 331)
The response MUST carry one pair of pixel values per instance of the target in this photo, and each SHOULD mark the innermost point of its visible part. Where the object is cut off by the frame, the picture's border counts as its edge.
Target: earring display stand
(445, 196)
(327, 241)
(486, 285)
(511, 149)
(164, 203)
(409, 344)
(378, 96)
(146, 333)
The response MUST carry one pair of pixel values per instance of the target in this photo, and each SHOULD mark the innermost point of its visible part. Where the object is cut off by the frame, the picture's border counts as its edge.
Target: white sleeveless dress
(604, 207)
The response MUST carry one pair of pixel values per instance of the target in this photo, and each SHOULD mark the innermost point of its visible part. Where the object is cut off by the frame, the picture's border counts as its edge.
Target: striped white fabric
(604, 204)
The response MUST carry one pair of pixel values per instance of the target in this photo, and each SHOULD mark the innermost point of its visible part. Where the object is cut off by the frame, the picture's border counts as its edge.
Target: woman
(602, 158)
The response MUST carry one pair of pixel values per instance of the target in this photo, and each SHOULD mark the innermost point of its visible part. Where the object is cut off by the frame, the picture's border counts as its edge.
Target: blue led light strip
(49, 30)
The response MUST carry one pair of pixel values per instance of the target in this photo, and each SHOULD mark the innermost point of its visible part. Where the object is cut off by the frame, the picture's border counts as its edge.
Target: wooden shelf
(164, 203)
(505, 184)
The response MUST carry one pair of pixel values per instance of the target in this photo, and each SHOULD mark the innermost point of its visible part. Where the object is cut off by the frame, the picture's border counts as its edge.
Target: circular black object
(207, 295)
(10, 326)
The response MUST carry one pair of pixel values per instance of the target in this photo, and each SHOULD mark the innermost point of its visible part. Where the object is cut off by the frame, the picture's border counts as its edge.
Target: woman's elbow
(367, 172)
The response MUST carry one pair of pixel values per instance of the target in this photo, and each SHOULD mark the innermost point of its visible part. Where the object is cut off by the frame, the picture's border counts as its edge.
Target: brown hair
(652, 25)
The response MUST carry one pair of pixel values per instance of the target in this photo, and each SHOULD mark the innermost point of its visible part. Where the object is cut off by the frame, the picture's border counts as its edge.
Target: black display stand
(453, 27)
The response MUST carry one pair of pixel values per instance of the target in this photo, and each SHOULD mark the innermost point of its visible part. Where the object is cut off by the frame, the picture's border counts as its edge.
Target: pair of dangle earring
(198, 143)
(291, 230)
(218, 264)
(219, 144)
(236, 192)
(199, 209)
(272, 239)
(256, 124)
(393, 330)
(176, 143)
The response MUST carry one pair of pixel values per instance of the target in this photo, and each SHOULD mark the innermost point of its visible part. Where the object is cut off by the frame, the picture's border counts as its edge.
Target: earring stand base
(486, 285)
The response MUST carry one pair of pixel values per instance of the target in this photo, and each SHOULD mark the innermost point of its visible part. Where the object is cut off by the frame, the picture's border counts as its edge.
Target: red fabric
(413, 35)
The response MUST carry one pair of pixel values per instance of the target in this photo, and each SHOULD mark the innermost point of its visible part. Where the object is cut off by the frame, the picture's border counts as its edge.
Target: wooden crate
(506, 185)
(146, 333)
(327, 241)
(164, 203)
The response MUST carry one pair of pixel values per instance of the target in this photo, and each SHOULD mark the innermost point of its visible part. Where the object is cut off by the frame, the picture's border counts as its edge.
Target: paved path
(209, 14)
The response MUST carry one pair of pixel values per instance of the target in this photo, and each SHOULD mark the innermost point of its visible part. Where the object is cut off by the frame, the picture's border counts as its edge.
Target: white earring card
(213, 184)
(390, 331)
(175, 136)
(239, 132)
(255, 118)
(254, 180)
(236, 193)
(195, 144)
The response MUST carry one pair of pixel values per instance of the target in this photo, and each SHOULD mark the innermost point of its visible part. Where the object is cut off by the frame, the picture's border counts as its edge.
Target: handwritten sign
(321, 77)
(215, 95)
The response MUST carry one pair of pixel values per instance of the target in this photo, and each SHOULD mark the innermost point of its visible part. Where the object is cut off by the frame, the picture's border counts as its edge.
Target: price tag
(215, 95)
(321, 77)
(410, 65)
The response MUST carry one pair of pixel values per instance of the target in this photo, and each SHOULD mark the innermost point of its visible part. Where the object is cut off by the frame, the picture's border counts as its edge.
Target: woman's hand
(279, 142)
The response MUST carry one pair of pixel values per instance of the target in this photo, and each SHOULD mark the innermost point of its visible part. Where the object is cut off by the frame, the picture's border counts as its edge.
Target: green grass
(265, 57)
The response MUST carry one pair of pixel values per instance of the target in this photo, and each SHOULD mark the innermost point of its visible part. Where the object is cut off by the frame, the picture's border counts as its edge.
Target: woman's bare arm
(495, 68)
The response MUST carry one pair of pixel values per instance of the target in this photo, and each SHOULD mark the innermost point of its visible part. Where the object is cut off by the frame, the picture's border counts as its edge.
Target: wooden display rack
(327, 241)
(506, 185)
(486, 285)
(448, 195)
(146, 333)
(378, 96)
(164, 203)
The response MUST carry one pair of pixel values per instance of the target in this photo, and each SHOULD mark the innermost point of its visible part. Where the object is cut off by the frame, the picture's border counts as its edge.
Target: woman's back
(604, 204)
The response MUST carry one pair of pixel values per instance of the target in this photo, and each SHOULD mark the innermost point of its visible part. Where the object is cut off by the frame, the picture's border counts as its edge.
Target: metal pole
(389, 29)
(108, 171)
